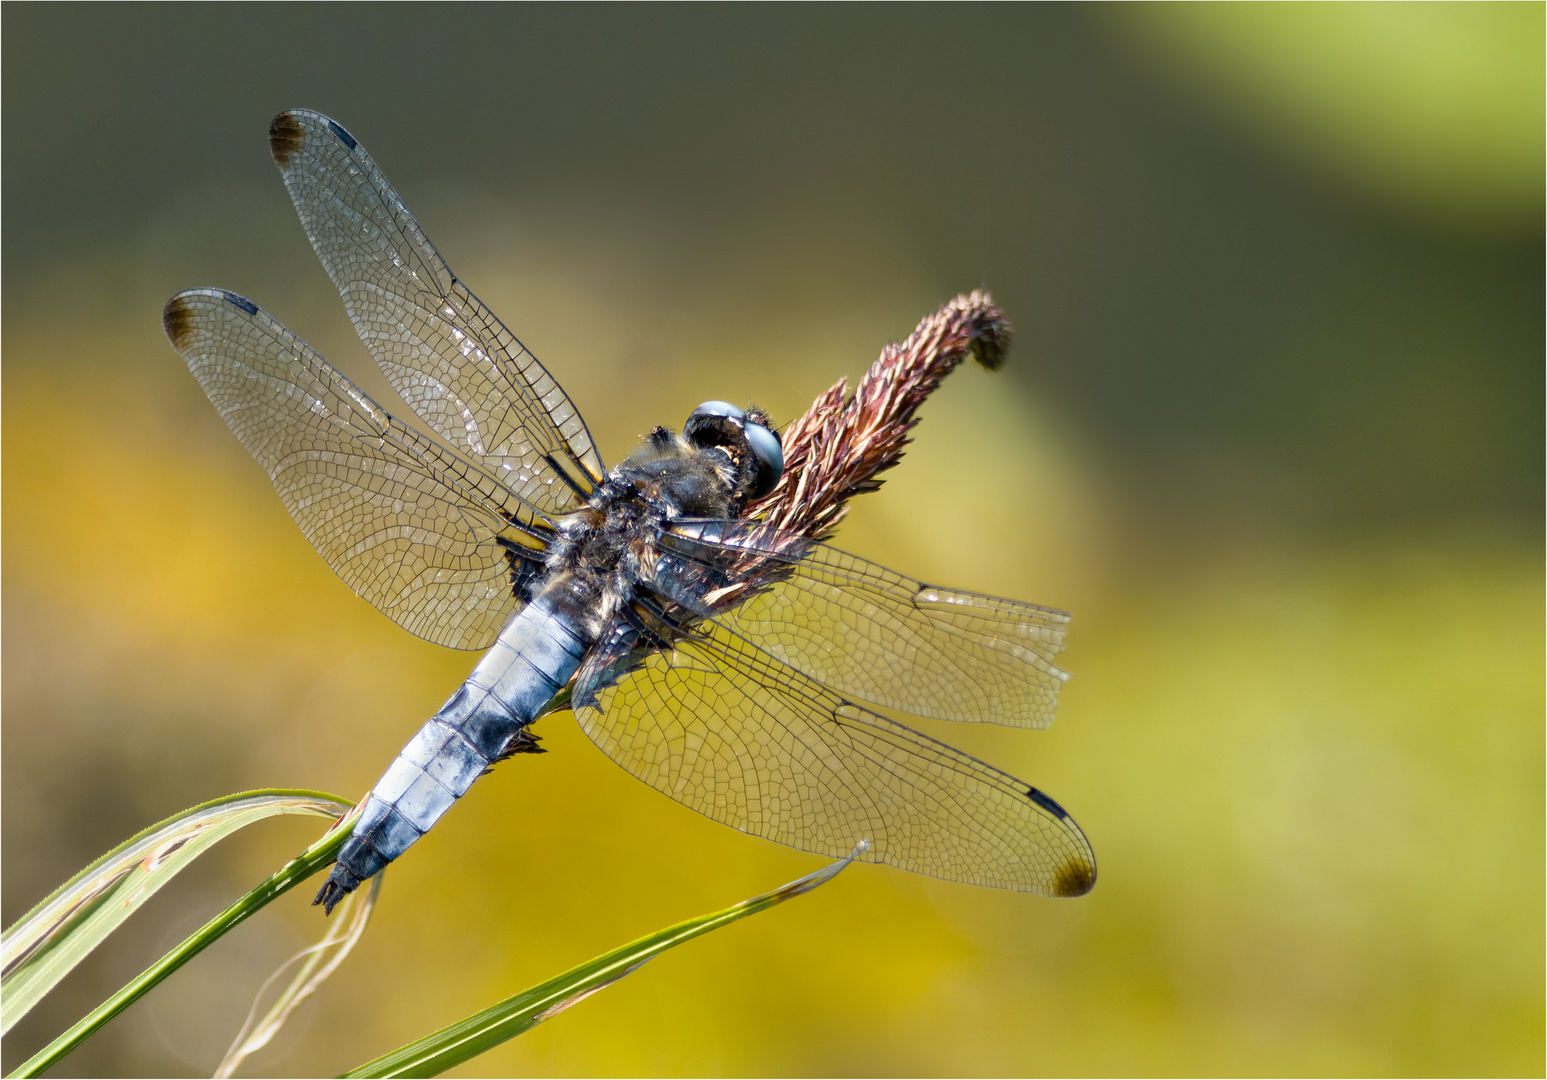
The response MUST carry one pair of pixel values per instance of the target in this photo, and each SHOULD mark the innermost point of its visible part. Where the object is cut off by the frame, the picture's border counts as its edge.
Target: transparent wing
(727, 730)
(408, 525)
(880, 636)
(455, 364)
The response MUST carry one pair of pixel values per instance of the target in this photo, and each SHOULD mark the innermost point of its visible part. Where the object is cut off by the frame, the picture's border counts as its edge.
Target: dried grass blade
(320, 961)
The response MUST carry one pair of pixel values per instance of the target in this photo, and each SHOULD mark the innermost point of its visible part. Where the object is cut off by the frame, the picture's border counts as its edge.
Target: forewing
(407, 524)
(455, 364)
(729, 731)
(880, 636)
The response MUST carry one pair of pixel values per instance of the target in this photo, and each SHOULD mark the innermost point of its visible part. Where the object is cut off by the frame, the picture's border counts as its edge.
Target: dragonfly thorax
(603, 553)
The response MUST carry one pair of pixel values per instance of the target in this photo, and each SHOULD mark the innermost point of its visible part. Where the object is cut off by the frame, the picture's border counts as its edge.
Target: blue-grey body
(484, 721)
(597, 578)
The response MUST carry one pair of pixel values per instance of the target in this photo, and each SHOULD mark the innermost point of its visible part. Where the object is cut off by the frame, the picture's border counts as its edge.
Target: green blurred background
(1272, 430)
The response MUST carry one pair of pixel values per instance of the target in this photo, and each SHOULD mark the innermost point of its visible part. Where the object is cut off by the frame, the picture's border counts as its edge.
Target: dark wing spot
(1046, 803)
(343, 136)
(177, 321)
(241, 302)
(285, 137)
(1075, 879)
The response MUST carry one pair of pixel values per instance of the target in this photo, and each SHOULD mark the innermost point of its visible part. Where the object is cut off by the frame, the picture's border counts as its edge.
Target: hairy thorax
(602, 553)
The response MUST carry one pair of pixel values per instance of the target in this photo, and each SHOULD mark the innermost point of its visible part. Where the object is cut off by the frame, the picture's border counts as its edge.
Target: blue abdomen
(483, 721)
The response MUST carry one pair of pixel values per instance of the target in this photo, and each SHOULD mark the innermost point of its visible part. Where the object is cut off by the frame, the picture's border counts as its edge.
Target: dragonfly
(731, 665)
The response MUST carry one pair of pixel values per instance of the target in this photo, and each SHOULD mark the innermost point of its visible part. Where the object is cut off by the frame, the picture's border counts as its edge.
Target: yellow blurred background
(1271, 430)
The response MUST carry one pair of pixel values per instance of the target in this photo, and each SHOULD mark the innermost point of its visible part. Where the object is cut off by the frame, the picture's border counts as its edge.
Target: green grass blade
(485, 1030)
(46, 943)
(286, 878)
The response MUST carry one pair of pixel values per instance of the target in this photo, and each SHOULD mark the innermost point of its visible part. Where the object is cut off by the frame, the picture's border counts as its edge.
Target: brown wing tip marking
(177, 321)
(1076, 878)
(285, 137)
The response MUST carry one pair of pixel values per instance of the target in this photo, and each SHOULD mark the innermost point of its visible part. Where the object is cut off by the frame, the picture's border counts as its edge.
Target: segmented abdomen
(483, 721)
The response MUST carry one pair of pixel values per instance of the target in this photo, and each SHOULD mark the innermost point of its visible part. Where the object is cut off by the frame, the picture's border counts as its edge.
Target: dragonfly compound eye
(770, 457)
(714, 423)
(716, 408)
(719, 423)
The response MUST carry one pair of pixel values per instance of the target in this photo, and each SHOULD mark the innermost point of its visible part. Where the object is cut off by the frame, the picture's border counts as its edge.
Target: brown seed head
(844, 441)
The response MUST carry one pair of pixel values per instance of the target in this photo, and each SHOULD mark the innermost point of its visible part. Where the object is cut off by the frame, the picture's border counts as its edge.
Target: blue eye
(770, 457)
(706, 427)
(718, 408)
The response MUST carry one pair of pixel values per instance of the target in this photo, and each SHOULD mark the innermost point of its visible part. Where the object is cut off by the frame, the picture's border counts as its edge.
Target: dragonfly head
(747, 436)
